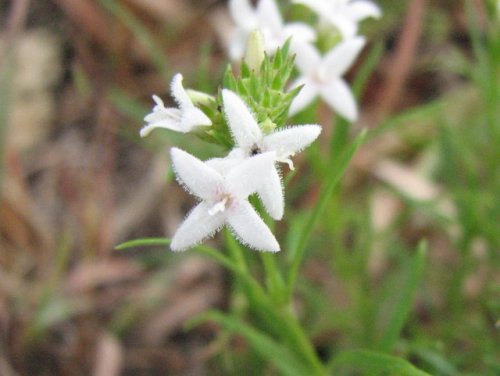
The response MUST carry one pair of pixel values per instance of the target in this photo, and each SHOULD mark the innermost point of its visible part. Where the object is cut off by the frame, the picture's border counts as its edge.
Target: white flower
(250, 140)
(343, 14)
(223, 201)
(182, 119)
(267, 18)
(323, 76)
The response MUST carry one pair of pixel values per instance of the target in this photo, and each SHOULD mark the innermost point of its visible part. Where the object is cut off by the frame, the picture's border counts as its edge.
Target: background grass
(395, 267)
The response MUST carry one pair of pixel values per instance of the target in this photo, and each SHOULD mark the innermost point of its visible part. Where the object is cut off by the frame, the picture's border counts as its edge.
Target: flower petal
(341, 57)
(243, 14)
(269, 15)
(347, 27)
(179, 93)
(250, 228)
(237, 44)
(167, 118)
(286, 142)
(359, 10)
(339, 97)
(250, 175)
(319, 6)
(194, 117)
(305, 96)
(197, 226)
(307, 57)
(271, 195)
(198, 178)
(300, 33)
(223, 165)
(244, 127)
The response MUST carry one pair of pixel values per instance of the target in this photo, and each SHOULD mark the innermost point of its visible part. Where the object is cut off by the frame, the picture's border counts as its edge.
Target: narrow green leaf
(148, 242)
(372, 363)
(203, 249)
(275, 353)
(331, 181)
(141, 33)
(367, 68)
(127, 104)
(406, 299)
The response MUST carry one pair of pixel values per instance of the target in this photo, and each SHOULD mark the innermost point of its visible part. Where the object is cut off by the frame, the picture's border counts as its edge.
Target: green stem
(331, 182)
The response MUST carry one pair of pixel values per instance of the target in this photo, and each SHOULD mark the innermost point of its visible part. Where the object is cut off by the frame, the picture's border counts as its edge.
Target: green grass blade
(148, 242)
(128, 105)
(141, 33)
(404, 304)
(367, 68)
(373, 363)
(331, 181)
(203, 249)
(275, 353)
(6, 82)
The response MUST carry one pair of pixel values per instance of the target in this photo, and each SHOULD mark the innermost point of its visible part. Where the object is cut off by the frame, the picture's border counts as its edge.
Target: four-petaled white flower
(343, 14)
(223, 201)
(266, 18)
(250, 140)
(323, 76)
(182, 119)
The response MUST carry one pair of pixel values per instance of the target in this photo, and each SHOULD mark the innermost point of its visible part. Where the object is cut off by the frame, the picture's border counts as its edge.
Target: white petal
(339, 96)
(319, 6)
(341, 57)
(359, 10)
(307, 57)
(250, 228)
(243, 14)
(167, 118)
(196, 176)
(269, 15)
(244, 127)
(192, 118)
(300, 32)
(158, 101)
(347, 27)
(223, 165)
(237, 44)
(288, 141)
(179, 93)
(306, 95)
(197, 226)
(249, 175)
(271, 195)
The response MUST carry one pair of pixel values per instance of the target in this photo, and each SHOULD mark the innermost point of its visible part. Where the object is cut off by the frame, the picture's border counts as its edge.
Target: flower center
(221, 205)
(254, 150)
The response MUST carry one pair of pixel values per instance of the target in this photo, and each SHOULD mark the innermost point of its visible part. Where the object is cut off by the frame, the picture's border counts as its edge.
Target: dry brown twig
(402, 60)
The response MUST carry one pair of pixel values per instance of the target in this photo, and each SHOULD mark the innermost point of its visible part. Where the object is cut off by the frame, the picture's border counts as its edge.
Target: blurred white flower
(182, 119)
(323, 76)
(250, 140)
(343, 14)
(223, 201)
(265, 17)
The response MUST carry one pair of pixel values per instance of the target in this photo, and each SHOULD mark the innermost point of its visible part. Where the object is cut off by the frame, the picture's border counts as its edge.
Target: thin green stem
(331, 182)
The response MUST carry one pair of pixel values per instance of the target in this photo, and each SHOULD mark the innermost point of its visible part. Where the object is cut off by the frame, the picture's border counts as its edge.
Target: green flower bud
(199, 97)
(254, 53)
(267, 126)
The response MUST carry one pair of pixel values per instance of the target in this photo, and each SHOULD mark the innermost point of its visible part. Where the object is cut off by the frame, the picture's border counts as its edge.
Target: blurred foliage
(422, 291)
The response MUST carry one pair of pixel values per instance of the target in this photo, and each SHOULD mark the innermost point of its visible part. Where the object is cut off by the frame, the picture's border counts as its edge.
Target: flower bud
(255, 52)
(199, 97)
